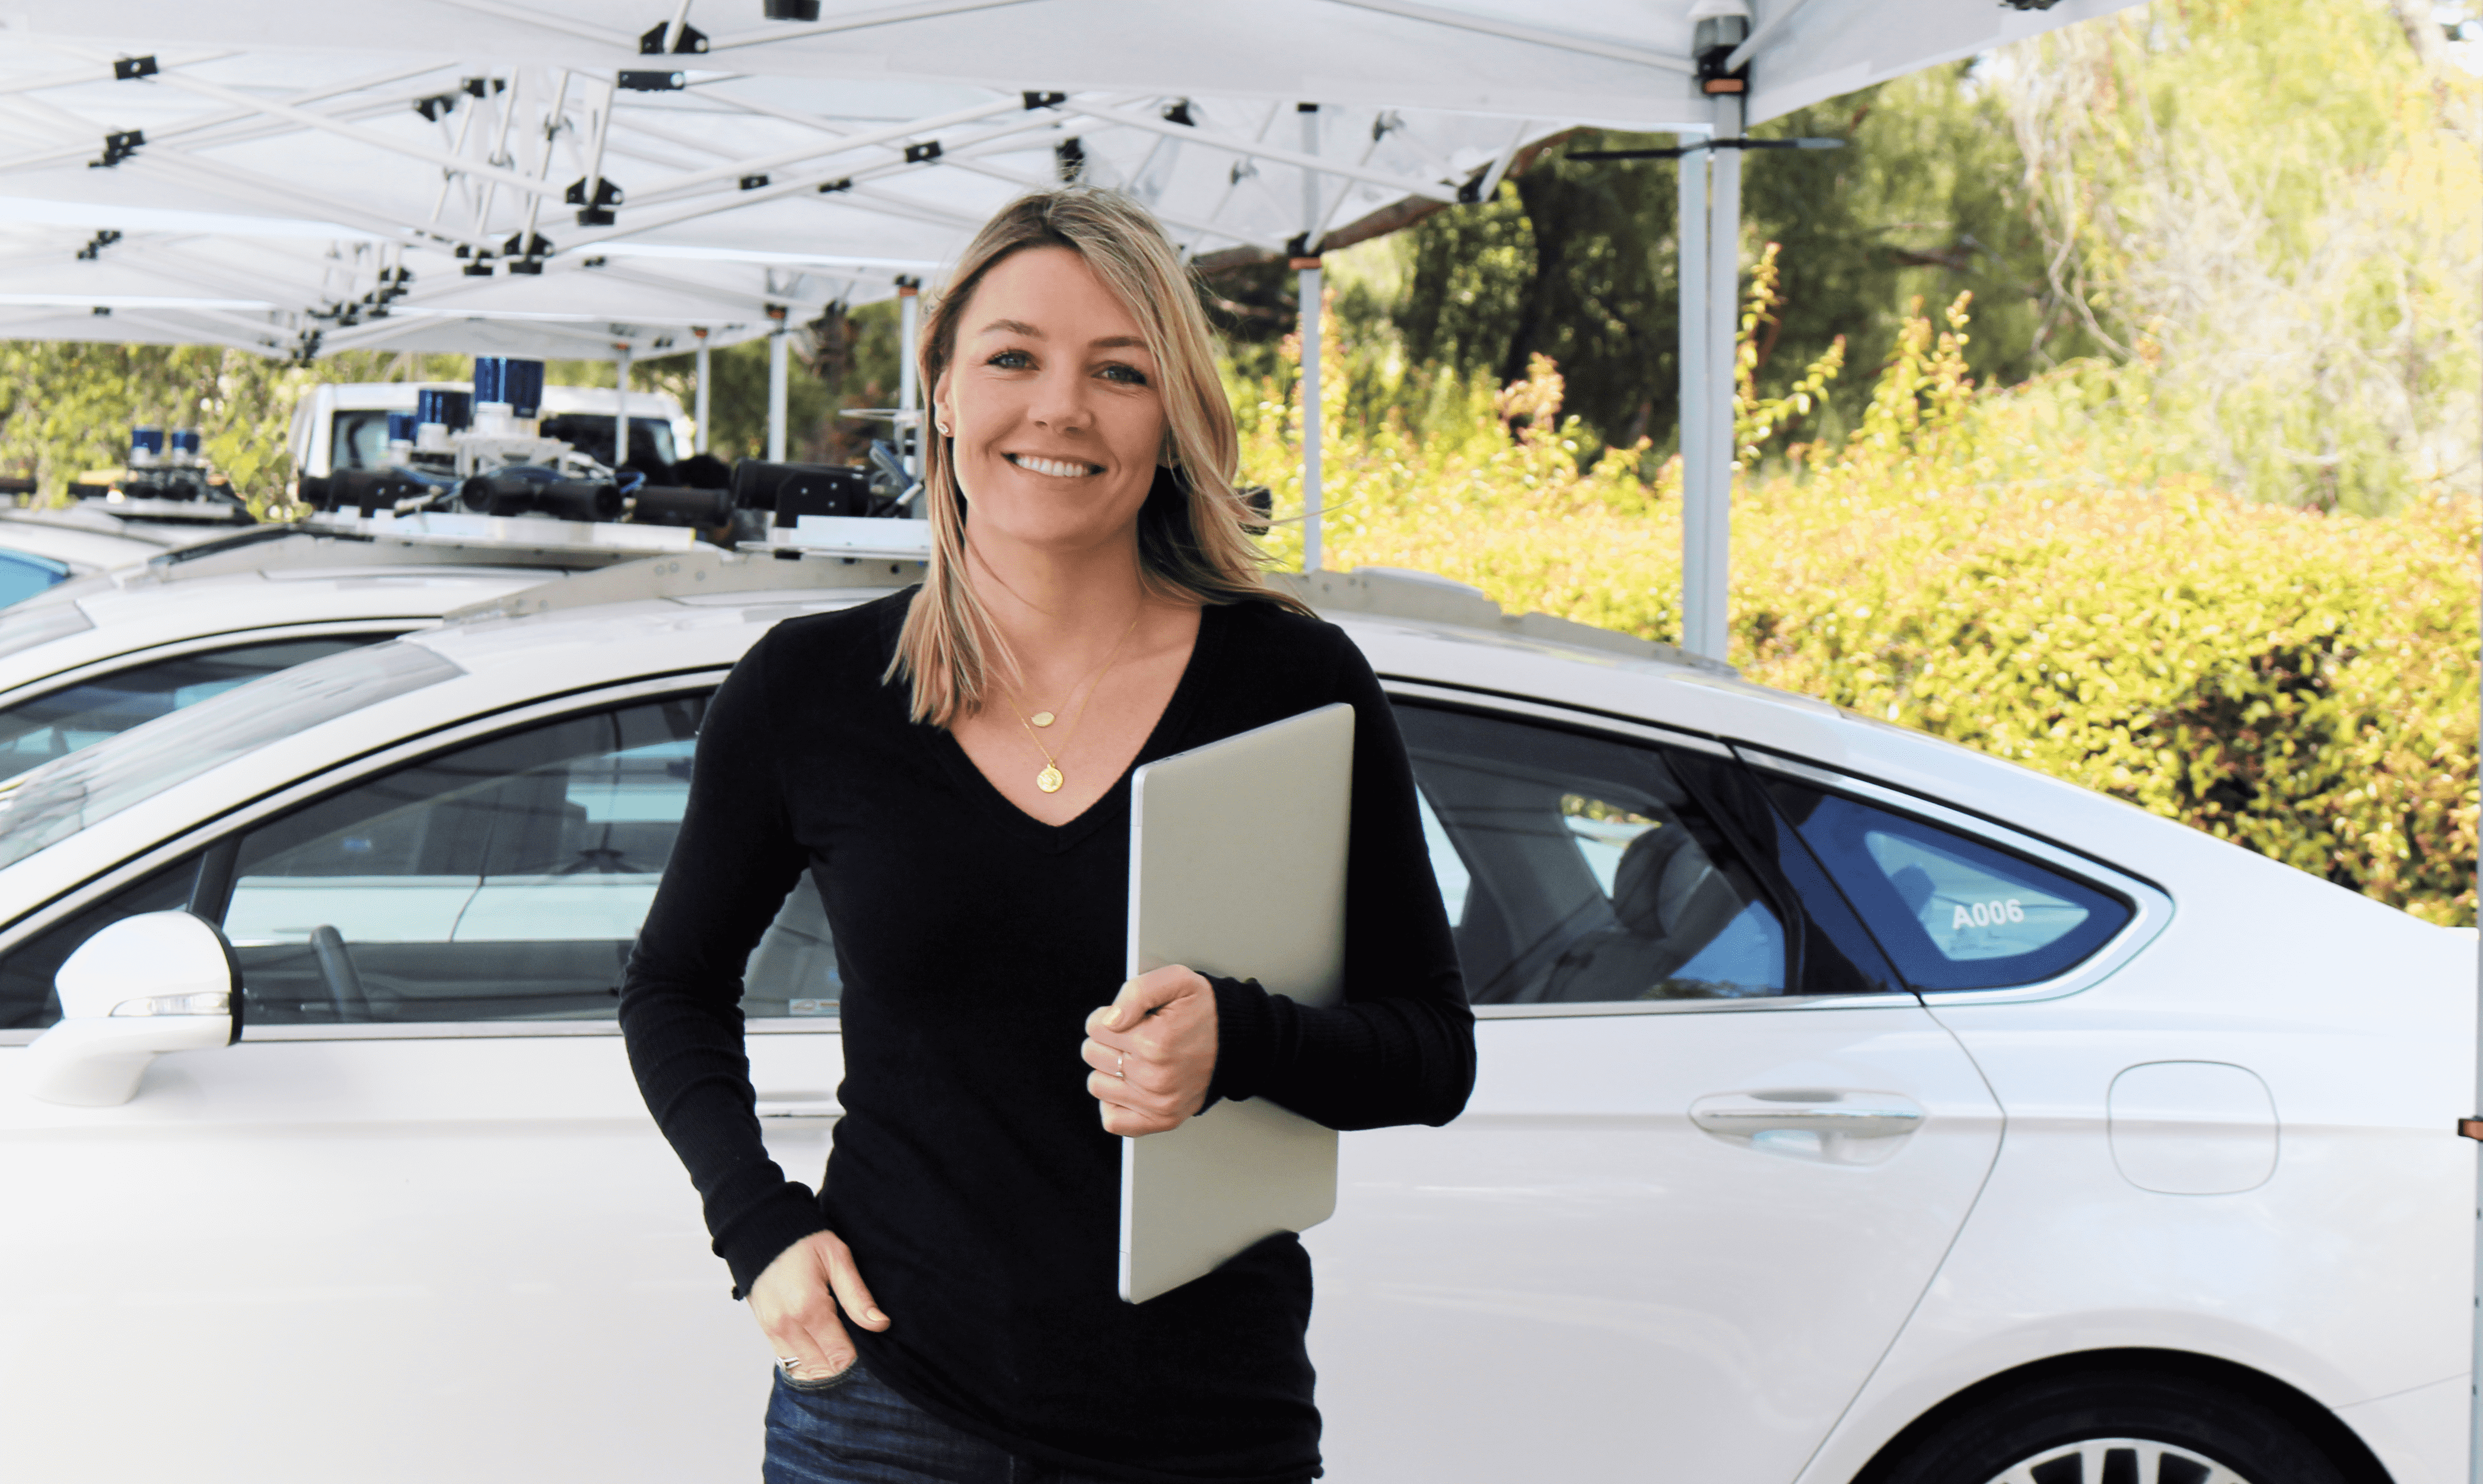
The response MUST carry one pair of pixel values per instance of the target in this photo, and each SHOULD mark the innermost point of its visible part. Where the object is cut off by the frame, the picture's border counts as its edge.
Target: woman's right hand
(796, 1300)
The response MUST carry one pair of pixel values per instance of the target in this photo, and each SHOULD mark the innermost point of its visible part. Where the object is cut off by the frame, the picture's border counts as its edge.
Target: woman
(952, 765)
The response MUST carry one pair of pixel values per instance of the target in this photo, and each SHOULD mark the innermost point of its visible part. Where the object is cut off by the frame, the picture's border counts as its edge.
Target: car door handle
(1853, 1115)
(793, 1105)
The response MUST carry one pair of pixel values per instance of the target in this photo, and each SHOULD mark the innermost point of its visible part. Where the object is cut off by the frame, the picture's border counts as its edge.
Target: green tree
(1577, 259)
(2272, 207)
(66, 407)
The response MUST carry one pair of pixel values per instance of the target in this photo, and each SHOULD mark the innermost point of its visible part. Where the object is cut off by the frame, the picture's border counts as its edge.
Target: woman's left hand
(1153, 1052)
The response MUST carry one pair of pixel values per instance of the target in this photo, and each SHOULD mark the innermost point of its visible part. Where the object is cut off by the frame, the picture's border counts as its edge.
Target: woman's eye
(1128, 376)
(1011, 360)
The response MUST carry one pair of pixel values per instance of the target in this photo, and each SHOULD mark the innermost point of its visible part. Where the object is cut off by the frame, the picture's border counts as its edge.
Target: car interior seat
(1670, 900)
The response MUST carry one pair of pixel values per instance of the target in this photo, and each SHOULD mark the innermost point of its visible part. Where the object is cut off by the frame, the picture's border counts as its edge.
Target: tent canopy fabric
(1625, 62)
(301, 155)
(540, 177)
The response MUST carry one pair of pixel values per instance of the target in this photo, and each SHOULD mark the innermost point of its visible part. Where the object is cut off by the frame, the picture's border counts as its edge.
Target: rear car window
(1580, 869)
(1953, 913)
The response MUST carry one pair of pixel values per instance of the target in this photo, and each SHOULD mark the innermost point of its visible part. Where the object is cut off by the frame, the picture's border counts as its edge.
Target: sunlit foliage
(2274, 204)
(2025, 573)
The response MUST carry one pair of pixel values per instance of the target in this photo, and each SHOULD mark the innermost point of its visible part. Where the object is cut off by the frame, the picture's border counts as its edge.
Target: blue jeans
(852, 1429)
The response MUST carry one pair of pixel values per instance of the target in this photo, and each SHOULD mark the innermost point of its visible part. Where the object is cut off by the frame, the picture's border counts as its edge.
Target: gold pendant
(1048, 779)
(1041, 718)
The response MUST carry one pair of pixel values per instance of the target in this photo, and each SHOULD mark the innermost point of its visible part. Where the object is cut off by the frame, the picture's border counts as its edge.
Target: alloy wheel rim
(2117, 1461)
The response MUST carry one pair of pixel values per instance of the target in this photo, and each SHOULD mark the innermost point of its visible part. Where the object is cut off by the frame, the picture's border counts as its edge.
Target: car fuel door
(1714, 1155)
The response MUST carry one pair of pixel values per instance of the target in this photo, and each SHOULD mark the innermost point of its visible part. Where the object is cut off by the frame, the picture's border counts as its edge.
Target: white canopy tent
(267, 167)
(553, 180)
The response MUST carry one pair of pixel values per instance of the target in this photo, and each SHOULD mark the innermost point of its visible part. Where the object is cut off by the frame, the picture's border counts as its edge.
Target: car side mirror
(162, 981)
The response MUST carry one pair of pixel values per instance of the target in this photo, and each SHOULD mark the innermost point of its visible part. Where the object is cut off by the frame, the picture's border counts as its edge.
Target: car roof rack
(1400, 593)
(76, 518)
(513, 541)
(1380, 591)
(607, 541)
(693, 574)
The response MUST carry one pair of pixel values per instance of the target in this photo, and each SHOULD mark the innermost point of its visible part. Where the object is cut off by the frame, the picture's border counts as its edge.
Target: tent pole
(776, 385)
(620, 407)
(1306, 301)
(701, 392)
(2475, 1369)
(1307, 279)
(909, 375)
(1690, 289)
(1707, 625)
(551, 129)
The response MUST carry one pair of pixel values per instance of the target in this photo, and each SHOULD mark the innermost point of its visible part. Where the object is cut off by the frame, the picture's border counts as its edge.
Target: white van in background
(344, 425)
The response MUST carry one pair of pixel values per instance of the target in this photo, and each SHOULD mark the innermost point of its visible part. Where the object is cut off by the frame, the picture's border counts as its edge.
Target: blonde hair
(1192, 542)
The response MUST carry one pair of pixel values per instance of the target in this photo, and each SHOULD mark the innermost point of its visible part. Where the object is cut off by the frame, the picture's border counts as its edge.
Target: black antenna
(1711, 144)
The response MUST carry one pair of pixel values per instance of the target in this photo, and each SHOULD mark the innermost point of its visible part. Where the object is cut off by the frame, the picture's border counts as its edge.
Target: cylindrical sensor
(678, 505)
(521, 387)
(513, 492)
(451, 409)
(512, 380)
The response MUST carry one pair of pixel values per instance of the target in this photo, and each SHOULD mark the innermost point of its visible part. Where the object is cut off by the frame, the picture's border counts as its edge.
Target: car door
(417, 1224)
(1714, 1152)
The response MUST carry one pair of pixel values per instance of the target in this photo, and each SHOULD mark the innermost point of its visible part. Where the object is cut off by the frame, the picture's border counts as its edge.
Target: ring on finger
(790, 1363)
(1121, 1068)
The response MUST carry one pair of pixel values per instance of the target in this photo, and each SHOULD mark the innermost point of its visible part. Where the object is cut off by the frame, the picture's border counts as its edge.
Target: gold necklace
(1051, 779)
(1046, 718)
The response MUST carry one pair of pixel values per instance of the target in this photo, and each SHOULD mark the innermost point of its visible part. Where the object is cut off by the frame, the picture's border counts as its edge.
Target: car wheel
(2127, 1428)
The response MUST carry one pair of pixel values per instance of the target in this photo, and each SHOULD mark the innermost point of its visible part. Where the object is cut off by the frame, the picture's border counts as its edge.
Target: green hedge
(2005, 570)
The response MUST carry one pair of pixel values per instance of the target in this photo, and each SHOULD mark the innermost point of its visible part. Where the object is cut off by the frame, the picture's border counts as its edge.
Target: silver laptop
(1237, 867)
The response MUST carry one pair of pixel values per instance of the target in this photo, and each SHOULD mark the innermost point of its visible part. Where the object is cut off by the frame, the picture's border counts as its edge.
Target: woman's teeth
(1054, 467)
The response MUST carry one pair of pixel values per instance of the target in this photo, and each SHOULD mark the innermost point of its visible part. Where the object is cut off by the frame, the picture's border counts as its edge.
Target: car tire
(2115, 1428)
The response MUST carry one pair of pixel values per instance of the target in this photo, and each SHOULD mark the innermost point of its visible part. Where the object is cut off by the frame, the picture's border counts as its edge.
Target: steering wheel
(336, 966)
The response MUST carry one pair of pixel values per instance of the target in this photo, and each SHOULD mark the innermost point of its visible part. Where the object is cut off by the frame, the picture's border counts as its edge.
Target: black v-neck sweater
(969, 1173)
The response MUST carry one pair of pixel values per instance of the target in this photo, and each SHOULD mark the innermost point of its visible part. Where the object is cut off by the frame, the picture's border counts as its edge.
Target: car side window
(502, 880)
(1953, 911)
(23, 575)
(1579, 869)
(60, 722)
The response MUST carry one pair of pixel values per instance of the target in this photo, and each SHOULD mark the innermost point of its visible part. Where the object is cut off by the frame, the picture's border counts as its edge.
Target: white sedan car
(42, 548)
(1850, 1108)
(100, 654)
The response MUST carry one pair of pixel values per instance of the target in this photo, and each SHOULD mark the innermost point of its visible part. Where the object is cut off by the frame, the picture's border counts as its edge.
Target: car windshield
(59, 799)
(361, 439)
(23, 575)
(23, 629)
(42, 728)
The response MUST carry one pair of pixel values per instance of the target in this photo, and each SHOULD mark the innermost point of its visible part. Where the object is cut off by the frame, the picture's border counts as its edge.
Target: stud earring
(942, 427)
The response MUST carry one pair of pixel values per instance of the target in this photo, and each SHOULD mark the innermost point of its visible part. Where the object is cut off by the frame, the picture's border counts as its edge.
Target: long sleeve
(732, 866)
(1399, 1047)
(972, 1178)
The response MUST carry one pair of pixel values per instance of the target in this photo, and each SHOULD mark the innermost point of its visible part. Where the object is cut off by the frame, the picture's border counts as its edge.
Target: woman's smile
(1056, 468)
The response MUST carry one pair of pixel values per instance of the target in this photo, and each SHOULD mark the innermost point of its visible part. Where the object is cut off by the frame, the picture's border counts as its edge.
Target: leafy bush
(2012, 570)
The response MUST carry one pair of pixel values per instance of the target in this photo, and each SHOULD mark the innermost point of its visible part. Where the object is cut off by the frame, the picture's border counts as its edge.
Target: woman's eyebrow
(1013, 327)
(1119, 343)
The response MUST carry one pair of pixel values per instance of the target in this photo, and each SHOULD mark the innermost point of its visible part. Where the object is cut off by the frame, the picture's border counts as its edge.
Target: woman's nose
(1061, 404)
